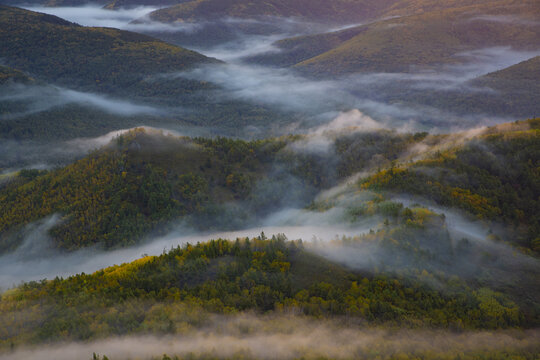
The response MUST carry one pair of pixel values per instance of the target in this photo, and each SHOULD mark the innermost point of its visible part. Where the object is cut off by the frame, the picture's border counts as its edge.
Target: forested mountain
(114, 54)
(338, 11)
(379, 148)
(513, 91)
(118, 194)
(521, 78)
(145, 179)
(175, 292)
(105, 3)
(97, 80)
(494, 176)
(431, 37)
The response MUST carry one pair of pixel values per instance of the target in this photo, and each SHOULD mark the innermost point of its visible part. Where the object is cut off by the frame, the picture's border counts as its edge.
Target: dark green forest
(62, 61)
(164, 293)
(316, 179)
(144, 180)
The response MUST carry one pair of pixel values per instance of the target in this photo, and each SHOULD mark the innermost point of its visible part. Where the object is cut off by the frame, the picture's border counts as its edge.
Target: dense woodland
(114, 52)
(176, 290)
(120, 193)
(441, 256)
(62, 61)
(493, 177)
(144, 179)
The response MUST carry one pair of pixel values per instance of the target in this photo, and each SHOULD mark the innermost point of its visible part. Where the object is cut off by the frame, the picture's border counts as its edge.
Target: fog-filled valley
(226, 179)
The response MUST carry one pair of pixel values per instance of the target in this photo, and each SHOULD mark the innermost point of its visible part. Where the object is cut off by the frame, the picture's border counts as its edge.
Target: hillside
(511, 92)
(106, 3)
(514, 91)
(10, 75)
(412, 7)
(143, 180)
(429, 38)
(157, 178)
(176, 291)
(413, 267)
(522, 77)
(339, 11)
(493, 176)
(315, 180)
(120, 77)
(63, 58)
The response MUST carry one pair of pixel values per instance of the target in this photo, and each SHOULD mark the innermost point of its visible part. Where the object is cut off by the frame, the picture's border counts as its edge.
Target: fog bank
(35, 99)
(46, 262)
(290, 337)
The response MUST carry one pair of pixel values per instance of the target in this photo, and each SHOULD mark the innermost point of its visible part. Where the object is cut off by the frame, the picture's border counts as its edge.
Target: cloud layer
(289, 337)
(34, 99)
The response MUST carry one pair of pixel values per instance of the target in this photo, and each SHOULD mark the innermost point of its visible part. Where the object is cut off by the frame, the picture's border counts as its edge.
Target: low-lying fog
(289, 337)
(95, 15)
(320, 100)
(400, 100)
(35, 98)
(35, 259)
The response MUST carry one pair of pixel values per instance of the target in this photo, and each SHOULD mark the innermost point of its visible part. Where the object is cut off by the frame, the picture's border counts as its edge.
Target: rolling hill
(339, 11)
(157, 179)
(131, 205)
(513, 91)
(144, 180)
(521, 77)
(105, 3)
(427, 39)
(118, 69)
(97, 59)
(179, 291)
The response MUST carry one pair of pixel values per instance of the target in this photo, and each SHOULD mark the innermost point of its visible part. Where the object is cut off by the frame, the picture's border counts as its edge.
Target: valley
(267, 179)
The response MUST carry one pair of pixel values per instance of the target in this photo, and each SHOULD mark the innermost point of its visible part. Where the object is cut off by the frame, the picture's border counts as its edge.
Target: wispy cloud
(94, 15)
(505, 19)
(35, 99)
(288, 337)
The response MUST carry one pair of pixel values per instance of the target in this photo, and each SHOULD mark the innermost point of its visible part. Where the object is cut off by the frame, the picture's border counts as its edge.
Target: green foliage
(114, 53)
(494, 178)
(166, 293)
(122, 192)
(12, 75)
(118, 194)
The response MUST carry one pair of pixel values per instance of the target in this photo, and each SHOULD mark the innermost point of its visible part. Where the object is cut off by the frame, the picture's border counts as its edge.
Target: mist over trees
(269, 179)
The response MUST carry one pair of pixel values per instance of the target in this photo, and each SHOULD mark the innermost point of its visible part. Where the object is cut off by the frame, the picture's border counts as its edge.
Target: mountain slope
(492, 176)
(143, 180)
(408, 269)
(176, 291)
(430, 38)
(114, 72)
(514, 91)
(522, 76)
(11, 75)
(339, 11)
(97, 59)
